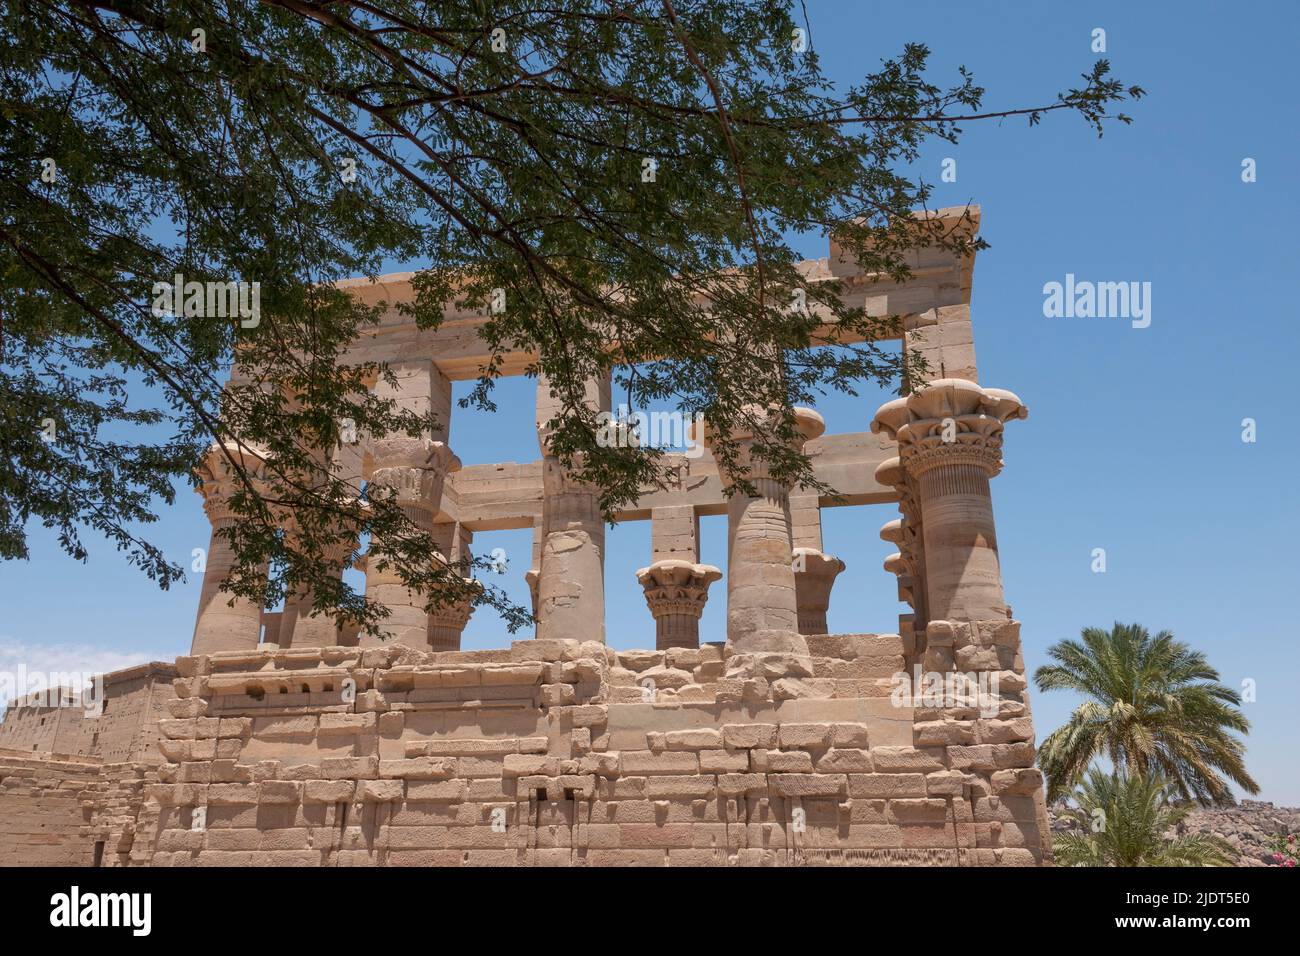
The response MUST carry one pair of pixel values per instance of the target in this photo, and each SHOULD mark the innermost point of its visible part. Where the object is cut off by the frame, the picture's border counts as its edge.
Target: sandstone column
(447, 623)
(300, 625)
(534, 573)
(225, 622)
(814, 576)
(412, 471)
(677, 592)
(814, 570)
(571, 573)
(908, 562)
(949, 436)
(676, 584)
(762, 609)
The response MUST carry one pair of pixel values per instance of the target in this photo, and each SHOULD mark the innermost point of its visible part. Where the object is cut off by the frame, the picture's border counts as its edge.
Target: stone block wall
(72, 782)
(135, 701)
(45, 807)
(118, 811)
(125, 730)
(32, 725)
(567, 753)
(72, 810)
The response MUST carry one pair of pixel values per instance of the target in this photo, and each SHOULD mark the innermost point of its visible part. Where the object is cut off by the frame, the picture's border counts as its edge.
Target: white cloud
(30, 666)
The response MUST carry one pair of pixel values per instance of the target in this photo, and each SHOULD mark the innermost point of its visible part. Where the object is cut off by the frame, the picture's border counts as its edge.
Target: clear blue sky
(1134, 438)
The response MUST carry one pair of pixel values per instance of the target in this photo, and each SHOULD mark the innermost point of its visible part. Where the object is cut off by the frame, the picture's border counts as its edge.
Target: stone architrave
(676, 592)
(224, 622)
(949, 436)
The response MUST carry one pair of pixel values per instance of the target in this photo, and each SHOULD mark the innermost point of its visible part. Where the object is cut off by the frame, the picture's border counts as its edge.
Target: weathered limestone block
(279, 791)
(845, 761)
(1004, 731)
(381, 791)
(528, 765)
(808, 736)
(349, 724)
(418, 768)
(608, 764)
(441, 791)
(355, 768)
(696, 786)
(932, 810)
(887, 785)
(908, 759)
(698, 739)
(1023, 780)
(808, 784)
(776, 761)
(723, 761)
(664, 678)
(944, 732)
(637, 762)
(741, 783)
(328, 791)
(745, 736)
(851, 735)
(233, 794)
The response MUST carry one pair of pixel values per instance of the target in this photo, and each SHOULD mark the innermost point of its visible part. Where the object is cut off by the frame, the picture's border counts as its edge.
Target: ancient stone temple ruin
(288, 741)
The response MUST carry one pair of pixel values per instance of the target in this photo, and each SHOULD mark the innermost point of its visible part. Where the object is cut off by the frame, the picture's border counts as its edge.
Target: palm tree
(1154, 705)
(1123, 820)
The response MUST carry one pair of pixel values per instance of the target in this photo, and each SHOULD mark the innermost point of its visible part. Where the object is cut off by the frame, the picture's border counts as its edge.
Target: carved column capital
(447, 623)
(949, 436)
(677, 587)
(808, 425)
(949, 422)
(676, 591)
(414, 470)
(814, 576)
(220, 479)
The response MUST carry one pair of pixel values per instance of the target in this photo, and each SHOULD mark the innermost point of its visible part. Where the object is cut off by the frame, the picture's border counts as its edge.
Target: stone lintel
(509, 495)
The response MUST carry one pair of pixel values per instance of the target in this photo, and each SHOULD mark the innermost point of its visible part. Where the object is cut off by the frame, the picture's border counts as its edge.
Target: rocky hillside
(1247, 826)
